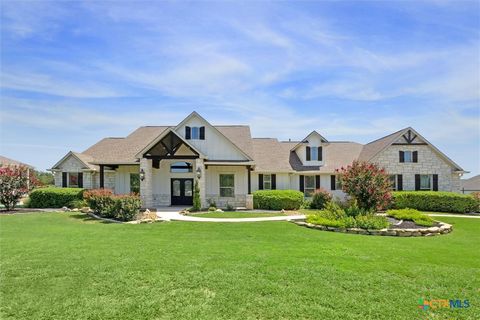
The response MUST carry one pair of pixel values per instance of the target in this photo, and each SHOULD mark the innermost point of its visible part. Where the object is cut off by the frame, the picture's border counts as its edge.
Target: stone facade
(146, 190)
(429, 162)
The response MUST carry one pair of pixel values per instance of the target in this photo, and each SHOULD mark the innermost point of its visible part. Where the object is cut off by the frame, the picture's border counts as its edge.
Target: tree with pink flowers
(368, 184)
(14, 183)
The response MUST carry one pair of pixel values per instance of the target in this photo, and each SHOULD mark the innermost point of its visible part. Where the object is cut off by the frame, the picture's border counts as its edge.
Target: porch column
(146, 185)
(249, 197)
(199, 163)
(102, 176)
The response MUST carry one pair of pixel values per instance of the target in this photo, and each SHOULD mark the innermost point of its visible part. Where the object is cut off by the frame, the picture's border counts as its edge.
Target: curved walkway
(175, 216)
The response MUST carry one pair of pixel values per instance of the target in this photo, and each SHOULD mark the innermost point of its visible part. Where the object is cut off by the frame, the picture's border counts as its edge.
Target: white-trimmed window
(227, 185)
(267, 182)
(309, 185)
(338, 182)
(195, 133)
(425, 182)
(73, 179)
(393, 181)
(314, 153)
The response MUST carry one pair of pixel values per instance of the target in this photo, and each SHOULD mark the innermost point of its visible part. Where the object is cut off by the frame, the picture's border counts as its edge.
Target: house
(7, 162)
(470, 185)
(162, 163)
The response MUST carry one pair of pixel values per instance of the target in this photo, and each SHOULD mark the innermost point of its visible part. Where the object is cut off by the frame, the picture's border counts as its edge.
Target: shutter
(332, 182)
(302, 184)
(415, 156)
(307, 155)
(202, 133)
(80, 179)
(260, 182)
(320, 154)
(417, 182)
(317, 182)
(399, 182)
(64, 179)
(435, 182)
(274, 181)
(188, 131)
(402, 156)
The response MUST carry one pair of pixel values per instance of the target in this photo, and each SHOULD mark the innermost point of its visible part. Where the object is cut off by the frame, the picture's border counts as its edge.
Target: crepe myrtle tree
(367, 183)
(15, 182)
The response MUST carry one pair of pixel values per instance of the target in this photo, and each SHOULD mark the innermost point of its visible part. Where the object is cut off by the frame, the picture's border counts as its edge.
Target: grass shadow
(87, 218)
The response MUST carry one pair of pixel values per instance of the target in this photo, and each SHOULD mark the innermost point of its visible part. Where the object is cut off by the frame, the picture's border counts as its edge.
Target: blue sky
(75, 72)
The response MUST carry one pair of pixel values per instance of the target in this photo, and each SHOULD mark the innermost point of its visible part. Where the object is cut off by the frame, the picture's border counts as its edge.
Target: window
(408, 157)
(425, 182)
(309, 186)
(181, 167)
(73, 179)
(393, 181)
(135, 182)
(314, 153)
(195, 133)
(338, 182)
(227, 185)
(267, 182)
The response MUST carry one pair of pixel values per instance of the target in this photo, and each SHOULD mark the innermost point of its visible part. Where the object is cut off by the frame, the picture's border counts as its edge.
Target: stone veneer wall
(240, 200)
(429, 162)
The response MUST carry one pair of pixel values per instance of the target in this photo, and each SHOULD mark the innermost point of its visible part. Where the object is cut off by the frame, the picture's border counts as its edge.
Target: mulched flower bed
(406, 224)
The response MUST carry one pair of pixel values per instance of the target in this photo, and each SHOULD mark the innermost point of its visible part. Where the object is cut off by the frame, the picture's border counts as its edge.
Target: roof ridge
(388, 135)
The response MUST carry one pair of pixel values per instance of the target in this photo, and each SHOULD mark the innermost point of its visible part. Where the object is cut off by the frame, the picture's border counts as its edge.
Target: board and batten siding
(215, 146)
(122, 178)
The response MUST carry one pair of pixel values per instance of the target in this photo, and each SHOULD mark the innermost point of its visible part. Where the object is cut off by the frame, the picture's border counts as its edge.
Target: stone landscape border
(443, 228)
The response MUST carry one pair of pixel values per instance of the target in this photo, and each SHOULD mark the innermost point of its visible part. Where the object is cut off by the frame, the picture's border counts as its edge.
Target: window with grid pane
(309, 186)
(267, 182)
(227, 185)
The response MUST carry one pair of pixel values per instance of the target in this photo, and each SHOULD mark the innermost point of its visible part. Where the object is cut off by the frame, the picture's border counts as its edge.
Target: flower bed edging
(443, 228)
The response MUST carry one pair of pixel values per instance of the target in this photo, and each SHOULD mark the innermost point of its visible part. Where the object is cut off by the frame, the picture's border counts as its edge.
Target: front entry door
(182, 191)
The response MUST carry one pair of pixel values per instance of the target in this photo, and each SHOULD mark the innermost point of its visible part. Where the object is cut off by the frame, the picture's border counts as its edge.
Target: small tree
(197, 204)
(13, 185)
(366, 183)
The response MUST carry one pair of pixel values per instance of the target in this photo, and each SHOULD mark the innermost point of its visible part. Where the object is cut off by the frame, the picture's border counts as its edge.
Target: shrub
(476, 196)
(412, 215)
(277, 199)
(212, 208)
(126, 207)
(370, 221)
(320, 198)
(366, 183)
(54, 197)
(197, 204)
(13, 185)
(354, 210)
(434, 201)
(77, 203)
(334, 216)
(108, 205)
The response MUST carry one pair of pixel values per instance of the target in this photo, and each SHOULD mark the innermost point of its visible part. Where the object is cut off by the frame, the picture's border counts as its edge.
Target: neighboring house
(4, 162)
(163, 163)
(470, 185)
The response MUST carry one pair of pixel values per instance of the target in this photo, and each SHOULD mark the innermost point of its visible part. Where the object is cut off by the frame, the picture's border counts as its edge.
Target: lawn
(238, 214)
(66, 266)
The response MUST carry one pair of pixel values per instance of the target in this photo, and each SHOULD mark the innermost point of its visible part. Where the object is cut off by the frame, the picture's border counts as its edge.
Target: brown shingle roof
(374, 147)
(271, 155)
(471, 184)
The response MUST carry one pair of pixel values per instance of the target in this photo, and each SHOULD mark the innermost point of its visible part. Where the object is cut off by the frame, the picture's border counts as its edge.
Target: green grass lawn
(66, 266)
(238, 214)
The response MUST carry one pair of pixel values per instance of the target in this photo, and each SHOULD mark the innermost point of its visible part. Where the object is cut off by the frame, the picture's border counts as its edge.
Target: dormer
(311, 150)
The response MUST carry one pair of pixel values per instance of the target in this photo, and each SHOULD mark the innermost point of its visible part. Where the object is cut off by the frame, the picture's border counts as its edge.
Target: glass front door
(182, 191)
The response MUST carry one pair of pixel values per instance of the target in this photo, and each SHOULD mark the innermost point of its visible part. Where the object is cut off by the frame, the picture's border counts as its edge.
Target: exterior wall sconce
(199, 173)
(142, 174)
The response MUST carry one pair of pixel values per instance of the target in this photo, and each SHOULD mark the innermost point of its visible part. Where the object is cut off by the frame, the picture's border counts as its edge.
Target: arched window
(181, 167)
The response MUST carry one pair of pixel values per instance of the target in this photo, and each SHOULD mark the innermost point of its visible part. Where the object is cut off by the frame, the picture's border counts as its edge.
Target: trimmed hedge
(434, 201)
(106, 204)
(277, 199)
(54, 197)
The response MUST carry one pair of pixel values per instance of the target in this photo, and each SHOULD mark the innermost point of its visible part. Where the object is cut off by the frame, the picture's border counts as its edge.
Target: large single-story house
(162, 163)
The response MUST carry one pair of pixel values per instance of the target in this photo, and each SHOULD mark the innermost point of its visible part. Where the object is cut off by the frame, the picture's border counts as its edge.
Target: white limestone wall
(429, 162)
(72, 164)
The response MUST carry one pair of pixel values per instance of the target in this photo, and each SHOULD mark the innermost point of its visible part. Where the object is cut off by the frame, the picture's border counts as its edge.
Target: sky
(74, 72)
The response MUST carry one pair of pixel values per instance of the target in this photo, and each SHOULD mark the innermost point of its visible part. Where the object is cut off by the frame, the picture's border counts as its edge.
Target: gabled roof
(373, 148)
(195, 114)
(472, 184)
(4, 161)
(160, 137)
(84, 159)
(305, 140)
